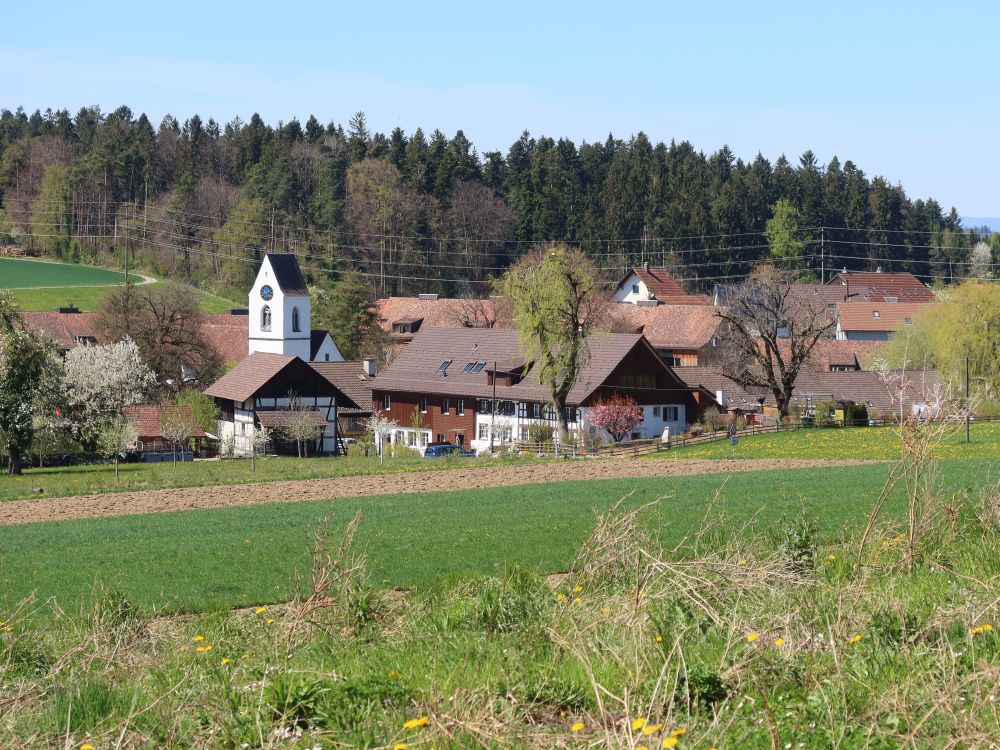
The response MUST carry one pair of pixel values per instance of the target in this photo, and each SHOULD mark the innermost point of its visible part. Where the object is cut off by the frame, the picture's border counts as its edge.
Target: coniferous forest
(425, 212)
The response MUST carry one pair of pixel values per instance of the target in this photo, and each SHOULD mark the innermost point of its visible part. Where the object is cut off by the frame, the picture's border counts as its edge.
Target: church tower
(279, 304)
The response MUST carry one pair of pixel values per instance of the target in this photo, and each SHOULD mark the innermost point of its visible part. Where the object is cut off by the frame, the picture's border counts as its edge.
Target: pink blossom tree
(617, 415)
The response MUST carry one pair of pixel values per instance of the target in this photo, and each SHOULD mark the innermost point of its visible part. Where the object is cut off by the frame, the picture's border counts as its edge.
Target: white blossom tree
(258, 438)
(115, 435)
(100, 382)
(381, 427)
(176, 429)
(981, 262)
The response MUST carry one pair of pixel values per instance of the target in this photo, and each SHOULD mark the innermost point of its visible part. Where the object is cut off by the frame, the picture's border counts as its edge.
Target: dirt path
(162, 501)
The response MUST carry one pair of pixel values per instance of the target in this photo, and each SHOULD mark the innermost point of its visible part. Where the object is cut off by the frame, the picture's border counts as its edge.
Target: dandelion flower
(208, 647)
(779, 642)
(225, 661)
(741, 562)
(651, 729)
(86, 746)
(183, 649)
(577, 589)
(577, 600)
(678, 732)
(399, 746)
(987, 628)
(198, 638)
(638, 724)
(200, 649)
(659, 639)
(394, 675)
(560, 597)
(831, 558)
(605, 610)
(261, 610)
(855, 638)
(751, 637)
(268, 621)
(577, 727)
(414, 723)
(669, 742)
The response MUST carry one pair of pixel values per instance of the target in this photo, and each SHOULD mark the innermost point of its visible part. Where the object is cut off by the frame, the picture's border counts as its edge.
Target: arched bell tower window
(265, 318)
(295, 320)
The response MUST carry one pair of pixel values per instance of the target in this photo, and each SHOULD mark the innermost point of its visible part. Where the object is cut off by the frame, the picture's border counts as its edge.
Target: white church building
(259, 391)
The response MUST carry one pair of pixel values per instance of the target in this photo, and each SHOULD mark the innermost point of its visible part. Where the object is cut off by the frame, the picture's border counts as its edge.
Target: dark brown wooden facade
(448, 419)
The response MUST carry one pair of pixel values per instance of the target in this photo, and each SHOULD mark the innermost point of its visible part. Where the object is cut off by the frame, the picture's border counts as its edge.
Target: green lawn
(215, 559)
(18, 273)
(89, 298)
(99, 479)
(876, 443)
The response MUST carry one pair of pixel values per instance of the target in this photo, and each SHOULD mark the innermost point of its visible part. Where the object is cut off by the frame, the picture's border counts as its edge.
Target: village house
(148, 420)
(875, 321)
(648, 285)
(474, 388)
(881, 286)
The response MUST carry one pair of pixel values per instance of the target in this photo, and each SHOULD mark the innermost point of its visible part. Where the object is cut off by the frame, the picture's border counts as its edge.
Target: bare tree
(176, 428)
(117, 435)
(381, 428)
(769, 331)
(299, 424)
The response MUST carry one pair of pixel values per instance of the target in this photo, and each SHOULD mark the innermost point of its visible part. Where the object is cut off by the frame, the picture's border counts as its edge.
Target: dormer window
(876, 314)
(295, 320)
(265, 318)
(635, 289)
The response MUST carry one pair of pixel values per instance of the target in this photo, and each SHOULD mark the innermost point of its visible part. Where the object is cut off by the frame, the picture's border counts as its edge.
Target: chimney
(878, 270)
(370, 368)
(645, 266)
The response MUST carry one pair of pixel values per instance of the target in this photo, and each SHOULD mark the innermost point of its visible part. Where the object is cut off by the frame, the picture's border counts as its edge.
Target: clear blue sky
(908, 90)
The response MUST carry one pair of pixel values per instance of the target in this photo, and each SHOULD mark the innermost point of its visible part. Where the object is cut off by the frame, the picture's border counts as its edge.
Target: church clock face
(266, 293)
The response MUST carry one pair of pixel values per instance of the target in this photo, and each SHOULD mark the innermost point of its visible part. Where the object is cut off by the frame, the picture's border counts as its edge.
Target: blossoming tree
(617, 415)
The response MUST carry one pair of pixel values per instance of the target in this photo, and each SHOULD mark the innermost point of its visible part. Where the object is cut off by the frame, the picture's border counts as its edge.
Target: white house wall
(244, 421)
(625, 294)
(328, 351)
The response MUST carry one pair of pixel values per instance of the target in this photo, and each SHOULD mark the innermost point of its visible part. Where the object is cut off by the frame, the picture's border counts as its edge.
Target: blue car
(436, 450)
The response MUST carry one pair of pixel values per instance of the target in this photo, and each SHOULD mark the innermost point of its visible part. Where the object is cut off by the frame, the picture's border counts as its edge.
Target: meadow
(98, 479)
(45, 285)
(863, 443)
(706, 611)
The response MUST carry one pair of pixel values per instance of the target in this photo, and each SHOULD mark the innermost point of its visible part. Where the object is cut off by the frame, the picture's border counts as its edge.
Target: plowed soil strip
(168, 500)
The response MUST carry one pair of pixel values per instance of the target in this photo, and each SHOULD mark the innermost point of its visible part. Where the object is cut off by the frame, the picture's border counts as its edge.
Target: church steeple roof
(287, 274)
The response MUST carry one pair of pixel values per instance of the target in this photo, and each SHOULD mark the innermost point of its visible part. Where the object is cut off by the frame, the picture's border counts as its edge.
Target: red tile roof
(880, 287)
(878, 316)
(249, 376)
(148, 418)
(351, 378)
(667, 326)
(62, 328)
(665, 287)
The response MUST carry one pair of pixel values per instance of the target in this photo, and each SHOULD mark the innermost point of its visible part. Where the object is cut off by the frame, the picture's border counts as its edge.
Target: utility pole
(822, 255)
(272, 229)
(968, 414)
(126, 244)
(493, 407)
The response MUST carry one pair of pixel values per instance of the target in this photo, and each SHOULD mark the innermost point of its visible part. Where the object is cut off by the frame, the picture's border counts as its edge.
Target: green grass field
(220, 558)
(866, 443)
(99, 479)
(18, 273)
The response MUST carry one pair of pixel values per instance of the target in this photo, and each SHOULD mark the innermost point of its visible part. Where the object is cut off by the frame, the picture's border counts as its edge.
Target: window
(635, 289)
(441, 438)
(522, 410)
(422, 405)
(265, 318)
(570, 414)
(550, 412)
(423, 439)
(326, 356)
(876, 314)
(656, 411)
(636, 435)
(908, 321)
(484, 431)
(671, 413)
(385, 402)
(507, 408)
(445, 406)
(411, 438)
(675, 361)
(479, 366)
(484, 407)
(468, 368)
(443, 367)
(525, 434)
(536, 411)
(460, 408)
(295, 320)
(506, 433)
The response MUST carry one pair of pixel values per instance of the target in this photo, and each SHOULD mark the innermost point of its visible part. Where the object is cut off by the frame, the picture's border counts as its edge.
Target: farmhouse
(148, 420)
(474, 388)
